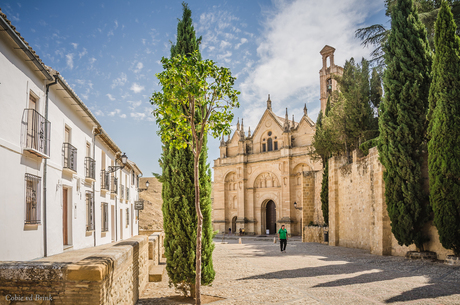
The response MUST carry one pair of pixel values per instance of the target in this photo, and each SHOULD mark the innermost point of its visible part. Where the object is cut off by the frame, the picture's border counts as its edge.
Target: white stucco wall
(18, 78)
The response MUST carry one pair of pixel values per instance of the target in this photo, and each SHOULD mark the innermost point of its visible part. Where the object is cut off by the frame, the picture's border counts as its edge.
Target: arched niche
(266, 180)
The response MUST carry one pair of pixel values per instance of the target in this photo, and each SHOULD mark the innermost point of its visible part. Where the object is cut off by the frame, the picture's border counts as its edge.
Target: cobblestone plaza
(255, 272)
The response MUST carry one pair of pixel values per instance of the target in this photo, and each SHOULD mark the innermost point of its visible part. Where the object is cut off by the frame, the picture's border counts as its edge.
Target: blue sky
(110, 51)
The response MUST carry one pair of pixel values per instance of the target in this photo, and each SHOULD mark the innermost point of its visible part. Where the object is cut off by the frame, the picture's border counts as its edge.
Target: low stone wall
(113, 275)
(156, 247)
(314, 234)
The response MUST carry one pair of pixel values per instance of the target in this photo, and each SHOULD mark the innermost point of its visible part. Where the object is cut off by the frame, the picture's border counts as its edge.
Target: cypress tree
(402, 123)
(179, 212)
(443, 149)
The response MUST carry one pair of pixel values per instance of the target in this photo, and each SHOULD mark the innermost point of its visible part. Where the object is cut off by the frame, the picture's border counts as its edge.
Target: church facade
(259, 177)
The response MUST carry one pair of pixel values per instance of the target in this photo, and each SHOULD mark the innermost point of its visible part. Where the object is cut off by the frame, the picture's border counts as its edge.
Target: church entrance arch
(234, 224)
(270, 214)
(268, 210)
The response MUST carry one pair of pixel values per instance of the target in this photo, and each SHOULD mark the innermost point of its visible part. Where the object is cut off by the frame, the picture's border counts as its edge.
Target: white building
(56, 189)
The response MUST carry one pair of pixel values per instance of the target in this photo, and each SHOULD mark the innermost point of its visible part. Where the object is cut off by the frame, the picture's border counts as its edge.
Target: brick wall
(114, 275)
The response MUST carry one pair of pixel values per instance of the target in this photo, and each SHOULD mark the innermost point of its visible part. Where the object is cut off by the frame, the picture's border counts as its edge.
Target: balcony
(70, 158)
(114, 186)
(105, 180)
(35, 133)
(90, 169)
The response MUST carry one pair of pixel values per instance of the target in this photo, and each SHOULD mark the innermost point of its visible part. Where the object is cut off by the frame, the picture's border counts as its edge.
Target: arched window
(270, 144)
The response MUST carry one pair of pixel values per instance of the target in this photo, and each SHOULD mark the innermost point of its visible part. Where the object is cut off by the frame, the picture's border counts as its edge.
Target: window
(32, 213)
(127, 216)
(105, 216)
(276, 145)
(89, 211)
(270, 144)
(264, 147)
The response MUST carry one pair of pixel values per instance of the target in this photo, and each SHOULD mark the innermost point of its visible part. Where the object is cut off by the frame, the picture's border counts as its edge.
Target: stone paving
(255, 272)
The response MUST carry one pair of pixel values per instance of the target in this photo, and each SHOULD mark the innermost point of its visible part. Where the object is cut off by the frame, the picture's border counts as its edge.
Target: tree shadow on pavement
(441, 280)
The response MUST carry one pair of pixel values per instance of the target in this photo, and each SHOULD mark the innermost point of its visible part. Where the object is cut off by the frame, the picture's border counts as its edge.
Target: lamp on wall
(295, 206)
(124, 160)
(146, 187)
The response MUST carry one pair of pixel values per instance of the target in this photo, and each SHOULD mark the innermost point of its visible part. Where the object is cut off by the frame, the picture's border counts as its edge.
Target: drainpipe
(94, 183)
(45, 167)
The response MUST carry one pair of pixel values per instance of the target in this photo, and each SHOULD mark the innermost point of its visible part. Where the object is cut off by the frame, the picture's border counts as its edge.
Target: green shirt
(282, 233)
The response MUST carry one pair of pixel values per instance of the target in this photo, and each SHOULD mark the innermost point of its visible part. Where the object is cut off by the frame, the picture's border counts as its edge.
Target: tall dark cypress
(179, 213)
(443, 147)
(402, 123)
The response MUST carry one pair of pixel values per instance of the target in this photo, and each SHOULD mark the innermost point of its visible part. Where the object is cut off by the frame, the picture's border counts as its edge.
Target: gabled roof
(24, 46)
(275, 118)
(327, 49)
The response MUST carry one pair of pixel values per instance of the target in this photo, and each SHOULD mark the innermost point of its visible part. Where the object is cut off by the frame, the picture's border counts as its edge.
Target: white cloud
(69, 60)
(225, 57)
(83, 53)
(224, 44)
(99, 113)
(138, 115)
(136, 88)
(116, 24)
(294, 32)
(120, 81)
(110, 33)
(110, 97)
(134, 104)
(123, 116)
(139, 67)
(242, 41)
(113, 113)
(75, 45)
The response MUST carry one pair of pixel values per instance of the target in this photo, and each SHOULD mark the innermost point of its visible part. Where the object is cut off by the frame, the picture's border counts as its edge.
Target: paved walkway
(255, 272)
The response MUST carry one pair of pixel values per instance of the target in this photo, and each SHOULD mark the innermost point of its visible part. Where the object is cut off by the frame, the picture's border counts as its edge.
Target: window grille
(105, 180)
(89, 211)
(127, 216)
(122, 189)
(114, 188)
(127, 193)
(90, 168)
(33, 199)
(35, 132)
(105, 216)
(70, 156)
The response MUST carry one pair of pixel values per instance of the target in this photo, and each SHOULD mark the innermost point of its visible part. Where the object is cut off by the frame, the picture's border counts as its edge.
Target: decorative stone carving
(266, 180)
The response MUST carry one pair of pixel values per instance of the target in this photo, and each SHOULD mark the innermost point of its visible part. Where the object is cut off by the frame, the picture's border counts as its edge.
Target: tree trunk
(199, 229)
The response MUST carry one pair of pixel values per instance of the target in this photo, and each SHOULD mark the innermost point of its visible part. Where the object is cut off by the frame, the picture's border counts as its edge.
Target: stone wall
(113, 275)
(358, 216)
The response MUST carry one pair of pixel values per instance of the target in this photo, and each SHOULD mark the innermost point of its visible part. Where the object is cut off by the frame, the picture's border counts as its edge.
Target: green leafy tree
(402, 123)
(443, 149)
(196, 99)
(180, 222)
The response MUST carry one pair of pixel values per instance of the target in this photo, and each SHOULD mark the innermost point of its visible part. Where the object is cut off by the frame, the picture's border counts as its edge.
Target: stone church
(259, 181)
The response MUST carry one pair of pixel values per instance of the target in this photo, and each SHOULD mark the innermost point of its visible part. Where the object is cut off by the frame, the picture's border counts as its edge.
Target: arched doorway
(234, 224)
(270, 214)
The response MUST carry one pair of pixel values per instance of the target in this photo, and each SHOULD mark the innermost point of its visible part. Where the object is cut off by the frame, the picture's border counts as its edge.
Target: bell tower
(327, 83)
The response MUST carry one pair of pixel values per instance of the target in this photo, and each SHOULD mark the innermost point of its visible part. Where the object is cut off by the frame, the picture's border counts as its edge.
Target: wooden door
(64, 217)
(271, 217)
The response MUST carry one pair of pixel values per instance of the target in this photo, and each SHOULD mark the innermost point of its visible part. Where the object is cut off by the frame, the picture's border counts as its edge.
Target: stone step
(156, 273)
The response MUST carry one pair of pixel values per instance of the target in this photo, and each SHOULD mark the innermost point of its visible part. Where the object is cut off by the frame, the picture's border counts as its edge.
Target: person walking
(282, 235)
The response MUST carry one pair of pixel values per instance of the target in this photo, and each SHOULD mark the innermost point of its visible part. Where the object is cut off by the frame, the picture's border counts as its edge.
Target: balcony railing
(114, 185)
(122, 188)
(105, 180)
(36, 133)
(70, 157)
(90, 168)
(127, 193)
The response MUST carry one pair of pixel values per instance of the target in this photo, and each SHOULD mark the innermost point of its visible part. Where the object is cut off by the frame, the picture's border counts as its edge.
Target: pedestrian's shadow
(445, 283)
